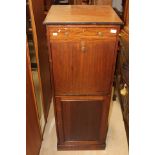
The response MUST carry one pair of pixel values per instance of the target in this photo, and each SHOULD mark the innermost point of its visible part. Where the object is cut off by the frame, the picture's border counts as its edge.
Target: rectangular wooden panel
(82, 120)
(83, 72)
(83, 115)
(82, 32)
(83, 14)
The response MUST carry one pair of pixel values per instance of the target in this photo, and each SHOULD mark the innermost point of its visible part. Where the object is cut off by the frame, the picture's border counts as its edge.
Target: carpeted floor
(116, 138)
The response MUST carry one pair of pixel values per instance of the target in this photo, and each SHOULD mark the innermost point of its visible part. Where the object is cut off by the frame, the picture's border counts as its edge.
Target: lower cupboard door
(82, 120)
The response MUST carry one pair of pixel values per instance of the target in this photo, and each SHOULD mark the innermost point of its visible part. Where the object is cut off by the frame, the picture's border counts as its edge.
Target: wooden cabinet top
(82, 14)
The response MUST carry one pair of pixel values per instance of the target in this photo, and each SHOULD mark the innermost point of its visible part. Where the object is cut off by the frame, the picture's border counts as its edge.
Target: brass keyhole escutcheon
(66, 33)
(83, 47)
(100, 34)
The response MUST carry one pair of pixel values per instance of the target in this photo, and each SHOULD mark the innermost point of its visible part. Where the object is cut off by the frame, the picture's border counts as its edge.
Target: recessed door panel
(82, 120)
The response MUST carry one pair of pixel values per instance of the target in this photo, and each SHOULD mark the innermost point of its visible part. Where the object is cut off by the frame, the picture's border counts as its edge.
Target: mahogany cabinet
(82, 50)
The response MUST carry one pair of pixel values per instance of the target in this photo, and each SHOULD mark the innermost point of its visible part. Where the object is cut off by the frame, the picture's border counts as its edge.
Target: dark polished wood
(82, 67)
(47, 4)
(78, 32)
(33, 132)
(82, 120)
(126, 12)
(77, 77)
(42, 54)
(101, 2)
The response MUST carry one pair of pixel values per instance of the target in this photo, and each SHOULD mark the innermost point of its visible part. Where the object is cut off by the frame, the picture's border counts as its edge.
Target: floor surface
(116, 143)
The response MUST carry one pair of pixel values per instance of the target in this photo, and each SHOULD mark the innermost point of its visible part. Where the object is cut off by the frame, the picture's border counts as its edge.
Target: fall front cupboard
(82, 44)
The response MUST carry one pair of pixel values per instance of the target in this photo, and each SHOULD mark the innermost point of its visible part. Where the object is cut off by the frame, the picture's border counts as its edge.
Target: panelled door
(82, 120)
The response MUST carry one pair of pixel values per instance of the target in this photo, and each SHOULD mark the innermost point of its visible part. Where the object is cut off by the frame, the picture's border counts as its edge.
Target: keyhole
(83, 47)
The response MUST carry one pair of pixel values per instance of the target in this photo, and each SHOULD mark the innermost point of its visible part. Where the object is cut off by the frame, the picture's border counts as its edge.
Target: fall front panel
(83, 67)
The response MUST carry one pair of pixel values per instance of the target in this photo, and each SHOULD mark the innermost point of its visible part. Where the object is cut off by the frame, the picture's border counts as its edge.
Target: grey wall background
(117, 4)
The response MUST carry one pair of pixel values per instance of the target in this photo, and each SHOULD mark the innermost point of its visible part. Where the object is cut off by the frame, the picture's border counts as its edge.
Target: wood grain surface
(82, 14)
(33, 131)
(41, 50)
(85, 32)
(82, 121)
(82, 47)
(102, 2)
(84, 72)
